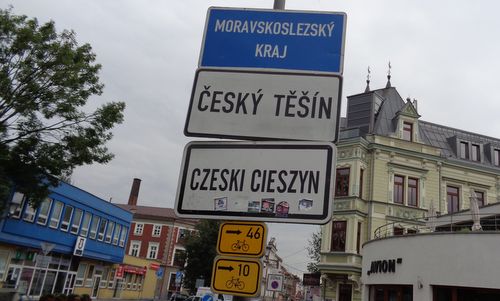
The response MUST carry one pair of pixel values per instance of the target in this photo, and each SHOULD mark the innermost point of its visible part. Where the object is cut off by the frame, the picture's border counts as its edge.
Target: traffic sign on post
(270, 39)
(242, 238)
(264, 105)
(257, 181)
(274, 282)
(236, 276)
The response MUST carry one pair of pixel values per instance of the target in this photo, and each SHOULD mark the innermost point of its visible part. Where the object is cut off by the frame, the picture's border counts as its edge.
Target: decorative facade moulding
(408, 167)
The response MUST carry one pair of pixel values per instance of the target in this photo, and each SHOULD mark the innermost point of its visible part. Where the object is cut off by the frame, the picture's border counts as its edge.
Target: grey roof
(392, 103)
(443, 137)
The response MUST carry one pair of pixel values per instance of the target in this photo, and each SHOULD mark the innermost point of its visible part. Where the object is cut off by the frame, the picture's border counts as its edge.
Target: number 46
(254, 234)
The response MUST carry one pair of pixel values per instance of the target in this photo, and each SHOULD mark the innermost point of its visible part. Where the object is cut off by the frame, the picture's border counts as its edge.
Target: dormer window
(496, 157)
(475, 153)
(470, 151)
(408, 131)
(464, 150)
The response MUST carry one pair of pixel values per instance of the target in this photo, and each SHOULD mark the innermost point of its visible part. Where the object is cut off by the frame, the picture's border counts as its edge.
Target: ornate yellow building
(394, 168)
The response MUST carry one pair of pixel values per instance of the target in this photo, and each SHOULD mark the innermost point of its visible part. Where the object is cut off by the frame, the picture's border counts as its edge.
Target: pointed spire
(368, 81)
(388, 85)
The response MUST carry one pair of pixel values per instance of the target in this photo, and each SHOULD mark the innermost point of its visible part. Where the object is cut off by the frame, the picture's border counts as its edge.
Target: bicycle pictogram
(236, 282)
(240, 245)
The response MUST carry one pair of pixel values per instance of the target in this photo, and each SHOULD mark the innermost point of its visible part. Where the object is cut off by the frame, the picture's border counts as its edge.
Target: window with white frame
(135, 248)
(85, 224)
(152, 250)
(123, 236)
(93, 227)
(56, 214)
(116, 234)
(80, 274)
(90, 275)
(68, 212)
(156, 230)
(139, 227)
(17, 201)
(29, 213)
(109, 232)
(77, 219)
(102, 228)
(43, 212)
(104, 278)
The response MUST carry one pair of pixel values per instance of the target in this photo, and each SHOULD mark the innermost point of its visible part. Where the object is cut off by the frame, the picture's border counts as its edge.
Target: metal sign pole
(279, 4)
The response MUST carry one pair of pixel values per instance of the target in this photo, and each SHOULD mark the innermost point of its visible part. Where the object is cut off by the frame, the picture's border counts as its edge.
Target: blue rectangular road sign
(271, 39)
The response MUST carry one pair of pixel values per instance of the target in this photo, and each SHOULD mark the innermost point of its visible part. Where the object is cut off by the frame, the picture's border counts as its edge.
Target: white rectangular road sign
(289, 182)
(274, 282)
(264, 105)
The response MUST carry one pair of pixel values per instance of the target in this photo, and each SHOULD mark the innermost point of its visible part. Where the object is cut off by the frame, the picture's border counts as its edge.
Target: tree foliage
(201, 249)
(46, 130)
(314, 252)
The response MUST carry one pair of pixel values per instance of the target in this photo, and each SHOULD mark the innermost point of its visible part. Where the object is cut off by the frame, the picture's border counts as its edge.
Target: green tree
(200, 252)
(314, 251)
(46, 126)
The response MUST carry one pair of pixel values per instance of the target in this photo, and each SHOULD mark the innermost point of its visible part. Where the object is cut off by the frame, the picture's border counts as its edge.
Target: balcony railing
(457, 222)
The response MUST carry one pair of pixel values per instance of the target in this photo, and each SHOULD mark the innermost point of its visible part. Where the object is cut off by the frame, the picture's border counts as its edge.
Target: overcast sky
(443, 53)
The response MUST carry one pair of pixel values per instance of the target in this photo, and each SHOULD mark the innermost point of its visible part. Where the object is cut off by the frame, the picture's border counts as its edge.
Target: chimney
(134, 192)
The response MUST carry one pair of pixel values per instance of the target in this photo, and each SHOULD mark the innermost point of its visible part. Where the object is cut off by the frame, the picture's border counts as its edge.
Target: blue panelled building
(71, 243)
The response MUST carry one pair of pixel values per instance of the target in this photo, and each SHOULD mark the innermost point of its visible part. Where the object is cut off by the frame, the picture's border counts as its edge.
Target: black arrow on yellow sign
(229, 268)
(237, 232)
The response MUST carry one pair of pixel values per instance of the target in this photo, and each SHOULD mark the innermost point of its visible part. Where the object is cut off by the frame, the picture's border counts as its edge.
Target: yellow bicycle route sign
(236, 276)
(242, 239)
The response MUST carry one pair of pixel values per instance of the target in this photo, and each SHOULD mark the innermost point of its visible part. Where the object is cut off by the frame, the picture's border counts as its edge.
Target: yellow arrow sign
(237, 276)
(242, 239)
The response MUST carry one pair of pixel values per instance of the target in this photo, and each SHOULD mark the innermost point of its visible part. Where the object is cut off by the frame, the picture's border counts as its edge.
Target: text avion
(384, 266)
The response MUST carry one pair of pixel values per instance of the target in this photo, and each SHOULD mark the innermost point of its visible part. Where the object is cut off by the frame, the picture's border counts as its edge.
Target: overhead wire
(297, 252)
